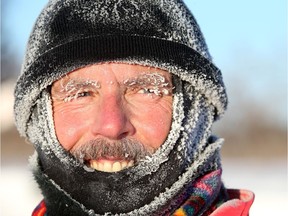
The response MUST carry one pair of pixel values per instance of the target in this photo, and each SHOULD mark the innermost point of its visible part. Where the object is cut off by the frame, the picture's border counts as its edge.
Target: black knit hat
(73, 33)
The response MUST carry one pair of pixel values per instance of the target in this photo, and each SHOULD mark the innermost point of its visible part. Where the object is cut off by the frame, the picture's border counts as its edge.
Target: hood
(71, 34)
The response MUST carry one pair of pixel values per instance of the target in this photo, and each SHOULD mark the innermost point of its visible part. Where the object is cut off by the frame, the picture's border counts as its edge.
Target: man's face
(112, 114)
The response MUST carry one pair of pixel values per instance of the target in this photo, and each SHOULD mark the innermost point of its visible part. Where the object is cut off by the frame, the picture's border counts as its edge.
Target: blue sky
(247, 39)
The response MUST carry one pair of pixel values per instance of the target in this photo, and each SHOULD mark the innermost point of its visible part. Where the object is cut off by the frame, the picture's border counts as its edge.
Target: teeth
(110, 166)
(107, 167)
(116, 167)
(130, 164)
(124, 164)
(94, 165)
(99, 166)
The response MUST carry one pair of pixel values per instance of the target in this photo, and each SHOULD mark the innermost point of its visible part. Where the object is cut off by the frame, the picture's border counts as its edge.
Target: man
(118, 98)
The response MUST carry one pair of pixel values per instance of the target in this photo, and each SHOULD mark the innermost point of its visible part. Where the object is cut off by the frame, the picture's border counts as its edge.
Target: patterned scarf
(201, 197)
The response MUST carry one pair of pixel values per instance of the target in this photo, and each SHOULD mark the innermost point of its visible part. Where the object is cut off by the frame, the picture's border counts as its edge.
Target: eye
(146, 91)
(83, 94)
(154, 91)
(77, 96)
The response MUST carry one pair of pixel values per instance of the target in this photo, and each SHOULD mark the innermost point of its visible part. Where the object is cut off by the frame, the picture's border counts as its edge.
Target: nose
(112, 119)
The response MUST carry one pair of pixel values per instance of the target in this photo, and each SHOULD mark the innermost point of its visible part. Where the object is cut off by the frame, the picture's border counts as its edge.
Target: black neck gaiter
(99, 193)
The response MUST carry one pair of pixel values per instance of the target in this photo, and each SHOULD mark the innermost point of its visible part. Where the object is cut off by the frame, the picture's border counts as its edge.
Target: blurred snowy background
(248, 40)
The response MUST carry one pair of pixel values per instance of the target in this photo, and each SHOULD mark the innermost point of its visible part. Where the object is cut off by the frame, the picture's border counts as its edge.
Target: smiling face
(112, 114)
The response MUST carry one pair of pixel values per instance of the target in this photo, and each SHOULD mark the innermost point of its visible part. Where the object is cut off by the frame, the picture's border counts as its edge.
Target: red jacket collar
(239, 203)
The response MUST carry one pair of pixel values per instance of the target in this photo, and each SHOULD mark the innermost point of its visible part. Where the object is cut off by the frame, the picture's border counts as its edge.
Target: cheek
(159, 129)
(69, 128)
(154, 126)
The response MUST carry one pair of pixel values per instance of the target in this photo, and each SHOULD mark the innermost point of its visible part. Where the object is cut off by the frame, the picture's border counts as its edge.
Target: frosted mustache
(128, 149)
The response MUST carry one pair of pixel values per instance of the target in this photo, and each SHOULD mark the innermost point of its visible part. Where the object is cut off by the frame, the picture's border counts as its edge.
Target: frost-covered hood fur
(70, 34)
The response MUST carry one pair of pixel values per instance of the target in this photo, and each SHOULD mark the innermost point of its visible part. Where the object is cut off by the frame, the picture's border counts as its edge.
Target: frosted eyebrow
(73, 85)
(148, 79)
(70, 88)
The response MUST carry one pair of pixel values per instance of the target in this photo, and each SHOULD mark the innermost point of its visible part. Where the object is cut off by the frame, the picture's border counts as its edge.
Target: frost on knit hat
(70, 34)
